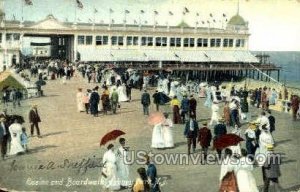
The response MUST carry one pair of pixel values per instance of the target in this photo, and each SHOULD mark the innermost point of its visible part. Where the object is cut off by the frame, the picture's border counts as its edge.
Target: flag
(224, 15)
(155, 12)
(156, 23)
(112, 21)
(126, 11)
(79, 4)
(142, 11)
(135, 22)
(90, 20)
(14, 17)
(28, 2)
(95, 10)
(214, 20)
(197, 23)
(170, 13)
(208, 22)
(186, 10)
(111, 11)
(203, 22)
(197, 14)
(78, 19)
(211, 15)
(146, 22)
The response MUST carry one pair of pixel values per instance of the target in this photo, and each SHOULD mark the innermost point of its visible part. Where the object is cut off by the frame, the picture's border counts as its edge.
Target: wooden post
(278, 75)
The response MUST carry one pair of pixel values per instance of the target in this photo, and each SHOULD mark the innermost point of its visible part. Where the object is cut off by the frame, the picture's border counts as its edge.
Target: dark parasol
(227, 140)
(111, 136)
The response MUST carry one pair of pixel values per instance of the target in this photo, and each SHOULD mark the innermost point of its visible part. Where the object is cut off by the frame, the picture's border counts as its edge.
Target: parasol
(111, 136)
(226, 141)
(156, 118)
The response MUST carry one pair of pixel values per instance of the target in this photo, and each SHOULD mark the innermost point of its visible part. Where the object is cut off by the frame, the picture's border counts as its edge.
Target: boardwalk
(75, 136)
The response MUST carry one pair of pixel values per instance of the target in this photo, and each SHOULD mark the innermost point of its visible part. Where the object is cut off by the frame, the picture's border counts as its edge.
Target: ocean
(290, 63)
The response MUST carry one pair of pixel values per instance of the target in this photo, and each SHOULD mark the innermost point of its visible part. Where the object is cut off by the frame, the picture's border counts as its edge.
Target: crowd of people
(182, 97)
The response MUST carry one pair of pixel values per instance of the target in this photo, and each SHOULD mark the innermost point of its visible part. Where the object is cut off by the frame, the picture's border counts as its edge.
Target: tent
(7, 81)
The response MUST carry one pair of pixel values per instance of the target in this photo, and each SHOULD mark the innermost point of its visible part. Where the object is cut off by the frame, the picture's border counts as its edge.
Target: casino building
(145, 47)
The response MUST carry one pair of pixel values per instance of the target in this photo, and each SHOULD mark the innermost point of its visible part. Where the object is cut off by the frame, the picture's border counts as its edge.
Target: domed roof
(237, 20)
(183, 24)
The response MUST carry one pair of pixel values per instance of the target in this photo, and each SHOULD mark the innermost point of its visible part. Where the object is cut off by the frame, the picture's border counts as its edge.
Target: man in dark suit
(34, 120)
(271, 170)
(156, 99)
(3, 137)
(193, 106)
(219, 130)
(204, 138)
(145, 100)
(271, 121)
(94, 101)
(191, 132)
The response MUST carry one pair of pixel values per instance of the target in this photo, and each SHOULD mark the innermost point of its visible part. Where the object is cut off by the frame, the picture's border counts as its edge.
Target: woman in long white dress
(122, 93)
(167, 132)
(157, 137)
(15, 131)
(246, 181)
(123, 168)
(265, 140)
(79, 99)
(109, 179)
(214, 114)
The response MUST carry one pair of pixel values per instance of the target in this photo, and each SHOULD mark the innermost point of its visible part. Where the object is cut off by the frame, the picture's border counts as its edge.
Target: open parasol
(156, 118)
(227, 140)
(111, 136)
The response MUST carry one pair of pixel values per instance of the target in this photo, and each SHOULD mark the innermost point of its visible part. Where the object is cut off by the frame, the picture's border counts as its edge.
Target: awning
(143, 55)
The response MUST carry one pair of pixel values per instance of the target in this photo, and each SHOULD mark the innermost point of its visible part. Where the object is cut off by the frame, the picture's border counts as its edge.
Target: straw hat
(2, 119)
(270, 147)
(252, 126)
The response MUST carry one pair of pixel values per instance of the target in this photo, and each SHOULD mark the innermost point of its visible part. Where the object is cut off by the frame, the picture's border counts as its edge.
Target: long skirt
(168, 136)
(176, 115)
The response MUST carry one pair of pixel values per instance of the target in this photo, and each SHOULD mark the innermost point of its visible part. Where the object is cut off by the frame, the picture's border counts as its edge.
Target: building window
(192, 42)
(178, 42)
(172, 42)
(80, 40)
(205, 42)
(129, 40)
(158, 41)
(89, 40)
(186, 42)
(230, 43)
(212, 42)
(240, 43)
(0, 37)
(150, 41)
(199, 42)
(135, 40)
(16, 36)
(99, 40)
(8, 36)
(225, 42)
(105, 40)
(120, 40)
(144, 41)
(164, 41)
(114, 40)
(218, 42)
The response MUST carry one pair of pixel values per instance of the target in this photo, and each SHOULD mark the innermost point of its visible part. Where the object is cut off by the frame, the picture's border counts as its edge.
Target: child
(24, 139)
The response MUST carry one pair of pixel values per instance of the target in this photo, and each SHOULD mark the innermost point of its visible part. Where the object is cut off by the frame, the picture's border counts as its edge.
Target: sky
(274, 24)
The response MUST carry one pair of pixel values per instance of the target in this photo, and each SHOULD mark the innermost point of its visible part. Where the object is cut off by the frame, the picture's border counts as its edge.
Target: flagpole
(109, 16)
(75, 6)
(22, 20)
